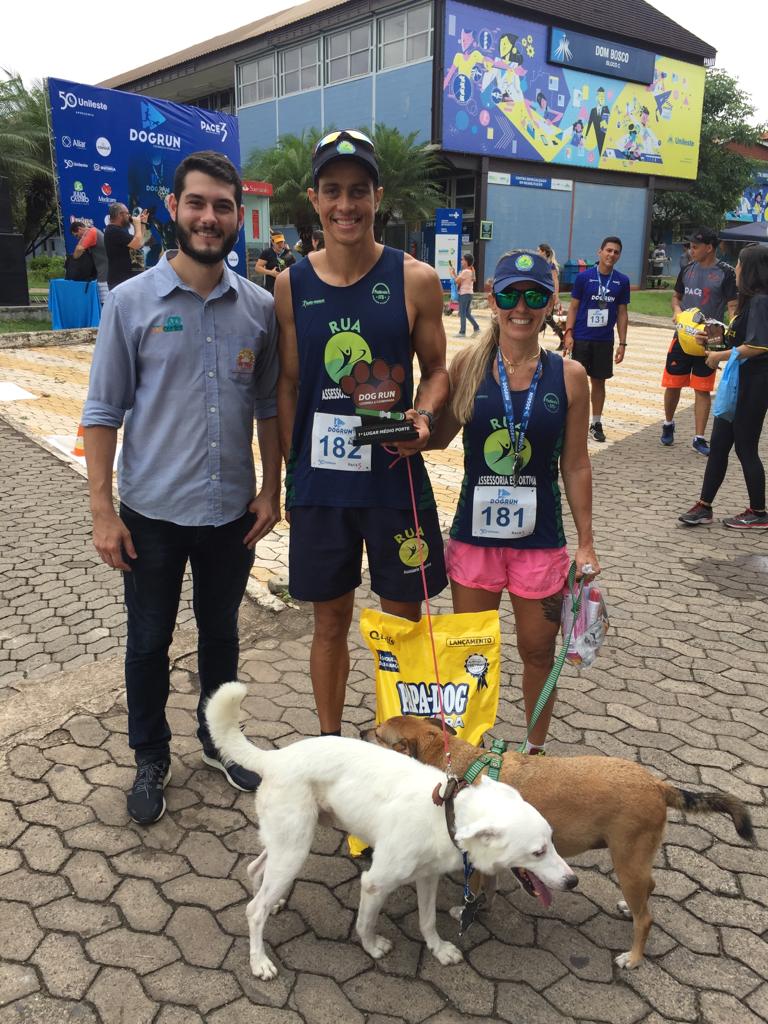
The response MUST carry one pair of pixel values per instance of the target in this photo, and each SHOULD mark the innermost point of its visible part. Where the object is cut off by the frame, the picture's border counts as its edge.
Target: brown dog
(592, 803)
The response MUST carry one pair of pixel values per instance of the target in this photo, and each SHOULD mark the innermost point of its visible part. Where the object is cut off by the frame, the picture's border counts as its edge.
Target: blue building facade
(552, 130)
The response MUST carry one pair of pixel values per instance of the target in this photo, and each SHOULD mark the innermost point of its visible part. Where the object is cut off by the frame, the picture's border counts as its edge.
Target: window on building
(465, 196)
(405, 37)
(348, 54)
(258, 80)
(300, 68)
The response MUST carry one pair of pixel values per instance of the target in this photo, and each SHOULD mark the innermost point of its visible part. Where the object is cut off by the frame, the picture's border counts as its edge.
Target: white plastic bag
(585, 633)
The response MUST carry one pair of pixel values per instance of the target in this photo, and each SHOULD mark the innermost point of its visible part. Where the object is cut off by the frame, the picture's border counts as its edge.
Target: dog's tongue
(542, 892)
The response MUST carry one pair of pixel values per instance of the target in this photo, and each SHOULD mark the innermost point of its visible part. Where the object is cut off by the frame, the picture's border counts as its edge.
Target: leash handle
(551, 681)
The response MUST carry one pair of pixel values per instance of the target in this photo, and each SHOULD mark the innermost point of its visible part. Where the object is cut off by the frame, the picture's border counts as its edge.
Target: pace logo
(214, 129)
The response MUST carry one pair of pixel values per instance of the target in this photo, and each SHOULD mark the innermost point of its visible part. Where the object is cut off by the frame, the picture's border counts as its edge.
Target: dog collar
(491, 759)
(452, 788)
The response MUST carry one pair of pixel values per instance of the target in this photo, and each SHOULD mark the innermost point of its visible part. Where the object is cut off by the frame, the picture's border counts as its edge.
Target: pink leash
(446, 747)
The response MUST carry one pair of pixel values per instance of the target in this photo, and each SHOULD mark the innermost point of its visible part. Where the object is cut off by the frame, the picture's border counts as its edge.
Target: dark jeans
(220, 565)
(465, 302)
(744, 433)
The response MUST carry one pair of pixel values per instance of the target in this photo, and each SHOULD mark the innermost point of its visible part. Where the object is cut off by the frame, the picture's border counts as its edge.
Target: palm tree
(25, 156)
(288, 168)
(407, 174)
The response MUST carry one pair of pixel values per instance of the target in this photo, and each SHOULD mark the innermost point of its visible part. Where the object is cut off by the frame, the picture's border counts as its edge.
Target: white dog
(386, 800)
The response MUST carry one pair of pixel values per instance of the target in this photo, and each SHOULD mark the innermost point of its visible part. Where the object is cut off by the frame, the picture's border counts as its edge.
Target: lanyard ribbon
(517, 437)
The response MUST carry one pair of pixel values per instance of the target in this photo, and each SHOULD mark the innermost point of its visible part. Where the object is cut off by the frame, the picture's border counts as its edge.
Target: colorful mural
(753, 205)
(502, 98)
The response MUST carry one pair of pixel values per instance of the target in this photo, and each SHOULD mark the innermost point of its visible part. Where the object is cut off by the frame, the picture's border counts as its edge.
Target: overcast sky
(88, 42)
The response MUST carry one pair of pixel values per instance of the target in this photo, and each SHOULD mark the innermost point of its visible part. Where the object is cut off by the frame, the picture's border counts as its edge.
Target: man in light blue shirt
(185, 357)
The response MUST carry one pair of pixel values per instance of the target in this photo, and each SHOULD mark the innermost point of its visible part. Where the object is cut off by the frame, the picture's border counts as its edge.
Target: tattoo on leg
(552, 607)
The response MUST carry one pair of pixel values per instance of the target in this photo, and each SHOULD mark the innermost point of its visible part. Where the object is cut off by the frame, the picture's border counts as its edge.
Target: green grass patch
(650, 302)
(19, 326)
(653, 302)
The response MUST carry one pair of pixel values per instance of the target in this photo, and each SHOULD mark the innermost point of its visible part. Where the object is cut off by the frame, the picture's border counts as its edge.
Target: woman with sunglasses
(523, 411)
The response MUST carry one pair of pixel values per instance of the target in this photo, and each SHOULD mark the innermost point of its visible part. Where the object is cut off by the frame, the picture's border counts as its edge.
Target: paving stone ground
(104, 921)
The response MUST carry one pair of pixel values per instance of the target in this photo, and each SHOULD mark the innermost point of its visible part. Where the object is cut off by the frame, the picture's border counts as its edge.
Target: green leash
(551, 681)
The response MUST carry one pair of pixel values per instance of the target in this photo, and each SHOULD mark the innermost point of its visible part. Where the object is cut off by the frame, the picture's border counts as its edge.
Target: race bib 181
(503, 513)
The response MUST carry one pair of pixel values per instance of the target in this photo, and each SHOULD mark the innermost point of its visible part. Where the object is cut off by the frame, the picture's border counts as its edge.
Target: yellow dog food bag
(468, 650)
(468, 655)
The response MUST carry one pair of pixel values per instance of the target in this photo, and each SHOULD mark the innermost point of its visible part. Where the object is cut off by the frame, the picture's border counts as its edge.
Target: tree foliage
(25, 156)
(407, 172)
(723, 174)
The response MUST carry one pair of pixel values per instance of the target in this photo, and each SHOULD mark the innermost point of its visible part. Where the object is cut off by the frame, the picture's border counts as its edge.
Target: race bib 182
(333, 447)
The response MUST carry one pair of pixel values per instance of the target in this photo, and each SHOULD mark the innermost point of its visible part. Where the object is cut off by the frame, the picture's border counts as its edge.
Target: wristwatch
(430, 416)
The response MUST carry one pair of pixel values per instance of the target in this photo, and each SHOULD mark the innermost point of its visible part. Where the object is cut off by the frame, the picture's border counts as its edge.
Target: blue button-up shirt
(187, 375)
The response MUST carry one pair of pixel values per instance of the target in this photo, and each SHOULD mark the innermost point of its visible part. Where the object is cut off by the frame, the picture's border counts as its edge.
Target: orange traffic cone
(79, 448)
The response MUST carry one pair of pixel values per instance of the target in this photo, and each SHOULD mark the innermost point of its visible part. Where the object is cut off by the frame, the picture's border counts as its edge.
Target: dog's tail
(222, 712)
(698, 803)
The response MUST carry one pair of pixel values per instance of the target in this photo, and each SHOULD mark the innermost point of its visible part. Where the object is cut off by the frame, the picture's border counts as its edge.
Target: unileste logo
(380, 293)
(70, 100)
(524, 262)
(151, 118)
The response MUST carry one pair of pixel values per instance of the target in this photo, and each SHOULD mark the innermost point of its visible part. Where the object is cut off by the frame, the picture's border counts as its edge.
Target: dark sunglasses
(352, 133)
(535, 298)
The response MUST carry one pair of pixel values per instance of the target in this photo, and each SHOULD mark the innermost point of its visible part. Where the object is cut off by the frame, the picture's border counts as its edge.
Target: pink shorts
(530, 573)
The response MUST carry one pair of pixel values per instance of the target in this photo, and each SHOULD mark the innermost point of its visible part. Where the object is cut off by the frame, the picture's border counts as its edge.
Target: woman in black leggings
(749, 332)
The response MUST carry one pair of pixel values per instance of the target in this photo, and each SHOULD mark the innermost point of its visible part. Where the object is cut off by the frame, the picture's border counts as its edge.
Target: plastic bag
(728, 389)
(584, 634)
(468, 653)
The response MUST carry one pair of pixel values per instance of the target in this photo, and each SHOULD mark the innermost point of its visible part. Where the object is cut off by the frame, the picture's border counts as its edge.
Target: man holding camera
(118, 242)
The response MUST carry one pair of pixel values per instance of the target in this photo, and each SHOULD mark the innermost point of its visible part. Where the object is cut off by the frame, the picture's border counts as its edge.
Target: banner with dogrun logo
(468, 650)
(112, 146)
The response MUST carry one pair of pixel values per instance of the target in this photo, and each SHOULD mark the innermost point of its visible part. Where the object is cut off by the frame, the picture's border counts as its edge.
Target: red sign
(257, 188)
(255, 223)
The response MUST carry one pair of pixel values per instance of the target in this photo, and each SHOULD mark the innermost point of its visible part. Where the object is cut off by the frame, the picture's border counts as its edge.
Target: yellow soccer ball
(690, 323)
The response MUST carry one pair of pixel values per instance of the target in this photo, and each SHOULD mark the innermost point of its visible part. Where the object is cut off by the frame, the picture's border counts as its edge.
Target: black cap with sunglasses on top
(348, 144)
(520, 265)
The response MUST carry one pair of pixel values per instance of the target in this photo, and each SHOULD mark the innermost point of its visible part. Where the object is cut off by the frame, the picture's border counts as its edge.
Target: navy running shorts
(326, 552)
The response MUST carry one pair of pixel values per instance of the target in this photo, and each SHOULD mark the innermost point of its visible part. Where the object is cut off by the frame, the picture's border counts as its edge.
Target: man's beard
(208, 256)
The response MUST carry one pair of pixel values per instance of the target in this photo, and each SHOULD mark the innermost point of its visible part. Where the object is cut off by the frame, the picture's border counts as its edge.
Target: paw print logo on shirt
(375, 385)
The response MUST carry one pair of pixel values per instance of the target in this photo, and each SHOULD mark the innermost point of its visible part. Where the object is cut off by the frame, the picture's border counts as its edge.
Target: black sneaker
(699, 515)
(596, 432)
(146, 802)
(237, 776)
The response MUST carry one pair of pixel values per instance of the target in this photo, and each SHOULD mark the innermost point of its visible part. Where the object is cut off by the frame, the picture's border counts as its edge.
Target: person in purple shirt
(599, 301)
(185, 356)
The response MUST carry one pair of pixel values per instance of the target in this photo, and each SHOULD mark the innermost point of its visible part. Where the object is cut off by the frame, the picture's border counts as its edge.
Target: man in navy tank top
(351, 318)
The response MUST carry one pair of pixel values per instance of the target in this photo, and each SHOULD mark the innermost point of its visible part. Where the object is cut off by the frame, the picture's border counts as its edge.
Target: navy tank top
(492, 512)
(354, 346)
